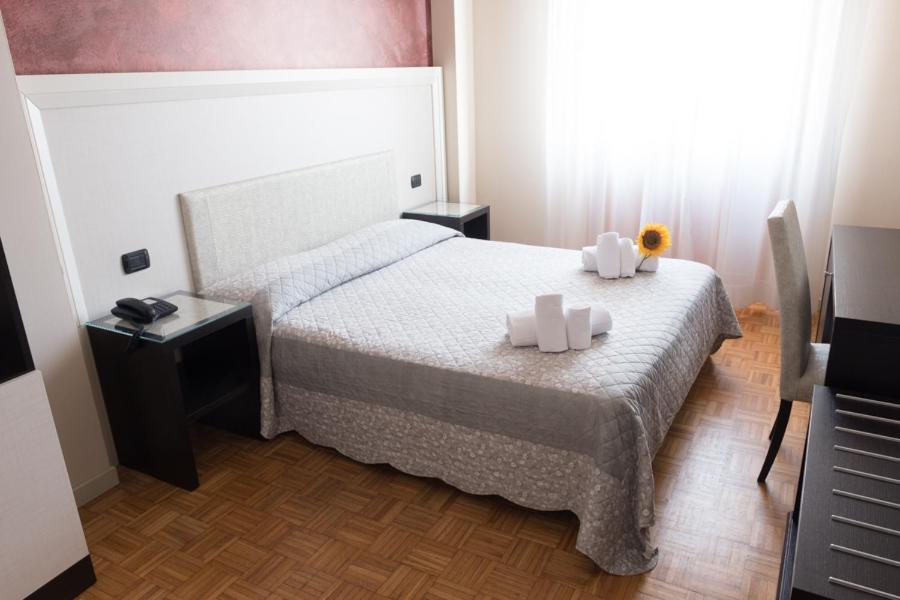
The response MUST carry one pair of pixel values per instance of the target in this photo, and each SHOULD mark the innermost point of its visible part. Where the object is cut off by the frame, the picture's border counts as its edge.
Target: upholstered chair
(802, 362)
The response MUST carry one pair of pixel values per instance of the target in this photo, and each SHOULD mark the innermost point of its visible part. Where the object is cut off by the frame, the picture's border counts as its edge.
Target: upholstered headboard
(234, 227)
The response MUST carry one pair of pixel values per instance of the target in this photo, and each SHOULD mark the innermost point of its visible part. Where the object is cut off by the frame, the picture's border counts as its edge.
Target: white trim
(62, 241)
(440, 153)
(54, 205)
(52, 91)
(96, 485)
(48, 92)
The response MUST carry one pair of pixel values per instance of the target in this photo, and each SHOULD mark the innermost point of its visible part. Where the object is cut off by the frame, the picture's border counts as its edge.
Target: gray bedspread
(390, 346)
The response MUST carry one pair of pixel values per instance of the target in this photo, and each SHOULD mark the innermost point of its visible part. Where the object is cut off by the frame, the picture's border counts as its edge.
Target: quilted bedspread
(389, 345)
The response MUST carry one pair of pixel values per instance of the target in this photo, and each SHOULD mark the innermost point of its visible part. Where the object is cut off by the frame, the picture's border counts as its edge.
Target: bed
(387, 342)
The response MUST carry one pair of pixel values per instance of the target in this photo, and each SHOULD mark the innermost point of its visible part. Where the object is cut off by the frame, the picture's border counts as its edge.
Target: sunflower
(654, 239)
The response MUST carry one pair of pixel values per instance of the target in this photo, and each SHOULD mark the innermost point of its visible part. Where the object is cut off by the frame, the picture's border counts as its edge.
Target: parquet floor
(286, 519)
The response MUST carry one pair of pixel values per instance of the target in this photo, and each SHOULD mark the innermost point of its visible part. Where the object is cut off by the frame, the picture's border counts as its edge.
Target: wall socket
(135, 261)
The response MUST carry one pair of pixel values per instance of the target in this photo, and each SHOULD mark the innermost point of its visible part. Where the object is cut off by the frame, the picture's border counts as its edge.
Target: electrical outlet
(135, 261)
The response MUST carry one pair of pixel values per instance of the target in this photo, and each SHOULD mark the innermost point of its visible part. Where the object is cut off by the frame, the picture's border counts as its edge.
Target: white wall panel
(117, 149)
(40, 532)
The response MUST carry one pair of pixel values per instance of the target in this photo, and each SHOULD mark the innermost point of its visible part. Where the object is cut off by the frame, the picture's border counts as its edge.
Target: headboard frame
(234, 227)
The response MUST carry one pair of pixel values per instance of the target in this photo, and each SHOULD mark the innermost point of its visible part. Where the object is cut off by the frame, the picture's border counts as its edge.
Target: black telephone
(143, 311)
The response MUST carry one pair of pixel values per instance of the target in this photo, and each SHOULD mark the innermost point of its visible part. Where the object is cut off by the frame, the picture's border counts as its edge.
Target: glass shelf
(445, 209)
(193, 312)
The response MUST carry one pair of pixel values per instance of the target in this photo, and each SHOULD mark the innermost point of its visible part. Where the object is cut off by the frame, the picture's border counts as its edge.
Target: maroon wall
(102, 36)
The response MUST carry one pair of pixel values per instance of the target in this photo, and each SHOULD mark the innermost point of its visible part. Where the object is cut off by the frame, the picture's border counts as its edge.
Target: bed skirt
(615, 515)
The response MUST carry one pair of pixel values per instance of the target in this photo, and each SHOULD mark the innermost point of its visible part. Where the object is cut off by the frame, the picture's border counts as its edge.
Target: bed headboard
(234, 227)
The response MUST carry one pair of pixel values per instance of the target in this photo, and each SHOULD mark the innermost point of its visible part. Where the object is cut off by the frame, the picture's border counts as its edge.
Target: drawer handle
(864, 525)
(838, 448)
(862, 498)
(866, 475)
(868, 400)
(866, 555)
(862, 588)
(876, 436)
(859, 415)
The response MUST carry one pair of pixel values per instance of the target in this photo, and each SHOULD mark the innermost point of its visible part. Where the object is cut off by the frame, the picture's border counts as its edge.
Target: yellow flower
(654, 239)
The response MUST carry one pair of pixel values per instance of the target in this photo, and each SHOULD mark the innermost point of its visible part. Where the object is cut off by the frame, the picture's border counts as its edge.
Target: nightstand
(199, 364)
(473, 220)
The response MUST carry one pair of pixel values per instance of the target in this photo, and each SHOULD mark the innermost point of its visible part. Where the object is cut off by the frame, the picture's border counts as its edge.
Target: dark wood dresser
(843, 537)
(845, 540)
(862, 310)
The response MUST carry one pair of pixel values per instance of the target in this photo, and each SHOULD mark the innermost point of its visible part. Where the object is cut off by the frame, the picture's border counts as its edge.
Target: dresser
(842, 540)
(861, 310)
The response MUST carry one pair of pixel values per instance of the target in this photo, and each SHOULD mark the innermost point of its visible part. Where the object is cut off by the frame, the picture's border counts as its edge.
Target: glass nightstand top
(445, 209)
(193, 313)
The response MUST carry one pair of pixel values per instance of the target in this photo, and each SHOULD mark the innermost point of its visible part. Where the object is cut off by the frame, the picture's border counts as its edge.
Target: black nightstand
(200, 363)
(473, 220)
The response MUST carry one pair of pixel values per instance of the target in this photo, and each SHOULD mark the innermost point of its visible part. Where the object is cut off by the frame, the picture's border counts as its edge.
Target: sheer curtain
(702, 115)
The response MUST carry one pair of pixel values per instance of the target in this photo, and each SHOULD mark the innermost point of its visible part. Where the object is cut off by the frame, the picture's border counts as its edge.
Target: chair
(802, 362)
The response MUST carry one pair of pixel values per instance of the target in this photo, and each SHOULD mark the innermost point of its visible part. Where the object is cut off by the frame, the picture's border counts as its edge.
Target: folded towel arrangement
(603, 261)
(608, 256)
(578, 326)
(649, 264)
(589, 258)
(550, 323)
(523, 329)
(627, 256)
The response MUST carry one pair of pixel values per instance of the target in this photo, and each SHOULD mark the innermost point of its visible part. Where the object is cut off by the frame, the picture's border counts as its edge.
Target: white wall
(46, 305)
(452, 49)
(510, 66)
(463, 19)
(868, 184)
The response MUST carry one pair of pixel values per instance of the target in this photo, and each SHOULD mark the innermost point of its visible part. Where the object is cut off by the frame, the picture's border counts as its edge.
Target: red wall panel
(103, 36)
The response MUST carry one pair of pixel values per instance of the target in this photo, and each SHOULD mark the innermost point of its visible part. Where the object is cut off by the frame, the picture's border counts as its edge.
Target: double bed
(386, 340)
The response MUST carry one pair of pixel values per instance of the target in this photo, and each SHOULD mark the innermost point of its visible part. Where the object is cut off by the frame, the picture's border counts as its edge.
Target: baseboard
(96, 485)
(69, 583)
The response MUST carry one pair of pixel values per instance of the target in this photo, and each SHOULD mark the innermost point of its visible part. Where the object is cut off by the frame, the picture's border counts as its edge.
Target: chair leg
(778, 429)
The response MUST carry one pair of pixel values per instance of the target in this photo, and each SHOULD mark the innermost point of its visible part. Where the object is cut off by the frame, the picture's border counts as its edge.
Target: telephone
(143, 311)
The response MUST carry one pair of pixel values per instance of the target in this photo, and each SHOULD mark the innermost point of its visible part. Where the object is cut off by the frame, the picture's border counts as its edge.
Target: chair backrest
(793, 291)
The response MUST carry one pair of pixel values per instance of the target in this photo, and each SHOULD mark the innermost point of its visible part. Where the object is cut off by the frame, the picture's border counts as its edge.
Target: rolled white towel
(522, 328)
(601, 320)
(608, 255)
(626, 257)
(645, 266)
(589, 258)
(578, 326)
(550, 323)
(651, 265)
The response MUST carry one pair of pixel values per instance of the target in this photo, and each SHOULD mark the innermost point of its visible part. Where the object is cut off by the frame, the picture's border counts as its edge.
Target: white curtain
(702, 115)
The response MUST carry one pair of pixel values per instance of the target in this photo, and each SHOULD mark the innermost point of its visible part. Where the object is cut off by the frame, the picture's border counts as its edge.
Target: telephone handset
(143, 311)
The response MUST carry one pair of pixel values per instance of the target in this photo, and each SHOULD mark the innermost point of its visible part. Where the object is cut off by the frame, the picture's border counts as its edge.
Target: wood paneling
(286, 519)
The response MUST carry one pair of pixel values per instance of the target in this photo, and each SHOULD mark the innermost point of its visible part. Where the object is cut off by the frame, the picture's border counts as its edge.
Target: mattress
(389, 345)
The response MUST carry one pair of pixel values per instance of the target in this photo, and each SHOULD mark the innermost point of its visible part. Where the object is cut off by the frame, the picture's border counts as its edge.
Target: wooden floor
(285, 519)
